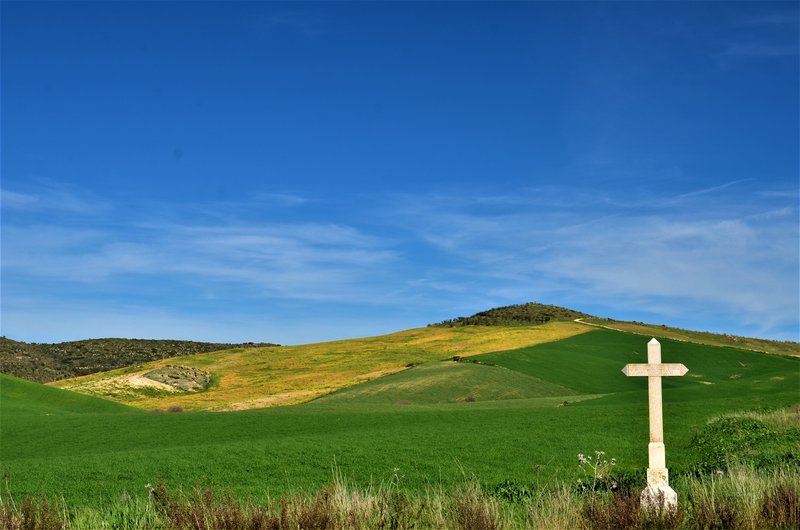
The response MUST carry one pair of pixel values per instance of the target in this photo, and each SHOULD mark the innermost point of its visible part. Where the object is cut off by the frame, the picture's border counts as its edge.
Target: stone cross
(658, 489)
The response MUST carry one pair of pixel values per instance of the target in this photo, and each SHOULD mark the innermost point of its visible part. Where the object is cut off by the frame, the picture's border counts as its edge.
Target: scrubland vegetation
(516, 315)
(50, 362)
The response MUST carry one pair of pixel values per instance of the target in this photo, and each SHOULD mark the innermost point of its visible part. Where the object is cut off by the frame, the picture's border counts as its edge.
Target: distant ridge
(777, 347)
(531, 313)
(50, 362)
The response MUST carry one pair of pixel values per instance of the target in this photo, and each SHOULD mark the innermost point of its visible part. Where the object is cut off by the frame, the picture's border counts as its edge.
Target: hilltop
(534, 313)
(50, 362)
(528, 314)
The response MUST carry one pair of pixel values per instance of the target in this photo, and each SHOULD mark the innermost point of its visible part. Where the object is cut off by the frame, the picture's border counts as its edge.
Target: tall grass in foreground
(742, 498)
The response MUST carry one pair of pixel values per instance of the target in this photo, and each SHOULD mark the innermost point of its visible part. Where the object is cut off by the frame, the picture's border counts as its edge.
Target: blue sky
(297, 172)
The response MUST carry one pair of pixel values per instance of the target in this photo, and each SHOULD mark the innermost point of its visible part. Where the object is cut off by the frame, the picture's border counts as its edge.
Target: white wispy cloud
(760, 49)
(712, 189)
(779, 194)
(284, 199)
(718, 263)
(50, 196)
(777, 18)
(309, 261)
(12, 199)
(706, 253)
(201, 244)
(304, 22)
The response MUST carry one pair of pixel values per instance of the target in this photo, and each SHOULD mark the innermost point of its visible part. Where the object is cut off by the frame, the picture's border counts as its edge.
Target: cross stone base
(658, 494)
(659, 497)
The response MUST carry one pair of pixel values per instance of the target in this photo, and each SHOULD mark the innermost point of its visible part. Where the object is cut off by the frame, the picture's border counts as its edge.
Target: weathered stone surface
(657, 477)
(657, 457)
(659, 497)
(180, 377)
(659, 370)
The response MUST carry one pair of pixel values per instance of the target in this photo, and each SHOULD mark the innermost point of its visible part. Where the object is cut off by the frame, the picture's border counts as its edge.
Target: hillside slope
(263, 377)
(50, 362)
(583, 366)
(18, 396)
(268, 376)
(699, 337)
(449, 382)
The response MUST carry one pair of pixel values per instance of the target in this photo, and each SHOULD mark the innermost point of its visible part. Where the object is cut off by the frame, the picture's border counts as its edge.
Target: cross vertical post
(658, 490)
(657, 458)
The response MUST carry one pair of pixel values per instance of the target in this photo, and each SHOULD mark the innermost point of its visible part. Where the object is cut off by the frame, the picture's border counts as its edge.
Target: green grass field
(530, 412)
(432, 384)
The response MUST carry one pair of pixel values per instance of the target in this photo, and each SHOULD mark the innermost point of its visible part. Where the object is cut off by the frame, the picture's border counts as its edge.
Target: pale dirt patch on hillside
(139, 381)
(169, 379)
(119, 388)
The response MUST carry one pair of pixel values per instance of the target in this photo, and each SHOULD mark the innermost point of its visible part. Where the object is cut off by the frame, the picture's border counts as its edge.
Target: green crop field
(519, 415)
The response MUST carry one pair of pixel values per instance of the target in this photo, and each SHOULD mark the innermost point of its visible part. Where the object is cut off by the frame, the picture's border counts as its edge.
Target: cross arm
(655, 370)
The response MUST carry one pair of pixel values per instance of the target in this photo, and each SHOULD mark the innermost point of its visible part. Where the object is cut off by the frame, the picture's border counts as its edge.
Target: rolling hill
(450, 382)
(534, 409)
(263, 377)
(257, 377)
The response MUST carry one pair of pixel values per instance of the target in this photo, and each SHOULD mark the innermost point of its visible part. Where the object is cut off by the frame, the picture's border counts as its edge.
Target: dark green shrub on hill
(516, 315)
(744, 441)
